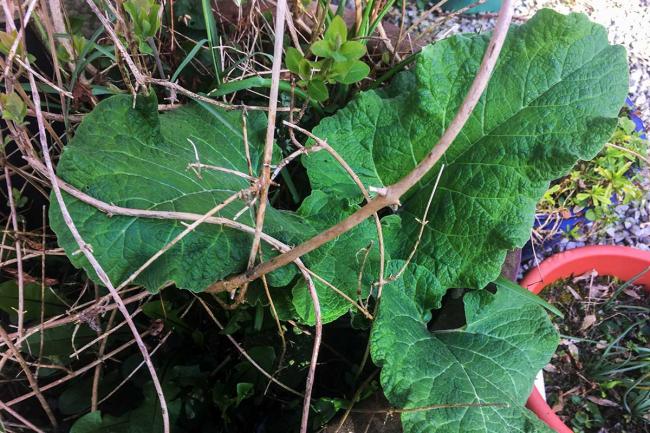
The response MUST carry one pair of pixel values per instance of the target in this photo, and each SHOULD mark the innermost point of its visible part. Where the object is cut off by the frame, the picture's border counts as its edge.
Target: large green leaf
(350, 262)
(553, 99)
(130, 156)
(492, 362)
(133, 157)
(51, 304)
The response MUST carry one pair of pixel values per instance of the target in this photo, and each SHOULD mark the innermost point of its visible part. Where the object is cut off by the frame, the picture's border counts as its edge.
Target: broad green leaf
(138, 159)
(321, 48)
(553, 99)
(353, 50)
(492, 361)
(516, 291)
(13, 108)
(350, 72)
(134, 158)
(350, 262)
(293, 59)
(317, 90)
(337, 32)
(33, 300)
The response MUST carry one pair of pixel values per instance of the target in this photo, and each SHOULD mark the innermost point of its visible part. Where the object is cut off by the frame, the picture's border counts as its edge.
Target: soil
(582, 386)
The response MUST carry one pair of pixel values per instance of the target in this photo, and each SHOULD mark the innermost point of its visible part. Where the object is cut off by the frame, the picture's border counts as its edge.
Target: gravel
(631, 228)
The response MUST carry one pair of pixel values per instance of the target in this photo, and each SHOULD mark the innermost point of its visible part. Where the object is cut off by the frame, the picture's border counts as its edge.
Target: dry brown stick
(19, 35)
(139, 77)
(431, 28)
(247, 150)
(19, 255)
(311, 374)
(139, 366)
(94, 396)
(390, 195)
(61, 91)
(178, 238)
(76, 118)
(400, 35)
(48, 21)
(30, 377)
(9, 18)
(423, 223)
(199, 166)
(135, 370)
(37, 365)
(380, 233)
(58, 22)
(104, 336)
(16, 415)
(61, 321)
(186, 216)
(41, 340)
(76, 373)
(292, 31)
(342, 294)
(274, 313)
(265, 177)
(630, 151)
(424, 15)
(117, 210)
(85, 249)
(293, 155)
(142, 79)
(184, 91)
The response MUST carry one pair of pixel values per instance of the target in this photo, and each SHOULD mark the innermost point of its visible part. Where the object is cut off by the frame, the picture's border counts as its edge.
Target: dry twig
(30, 377)
(86, 250)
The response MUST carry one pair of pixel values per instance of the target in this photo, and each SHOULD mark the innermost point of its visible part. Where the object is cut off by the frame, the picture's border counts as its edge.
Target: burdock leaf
(135, 158)
(553, 99)
(473, 380)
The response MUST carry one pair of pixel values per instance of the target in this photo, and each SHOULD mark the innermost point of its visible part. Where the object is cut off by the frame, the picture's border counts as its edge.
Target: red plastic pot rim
(610, 260)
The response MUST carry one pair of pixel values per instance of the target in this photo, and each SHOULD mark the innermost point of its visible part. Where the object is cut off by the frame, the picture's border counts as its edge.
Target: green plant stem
(394, 70)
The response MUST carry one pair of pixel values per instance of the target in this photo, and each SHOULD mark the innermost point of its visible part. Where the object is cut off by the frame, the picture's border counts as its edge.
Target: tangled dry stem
(387, 197)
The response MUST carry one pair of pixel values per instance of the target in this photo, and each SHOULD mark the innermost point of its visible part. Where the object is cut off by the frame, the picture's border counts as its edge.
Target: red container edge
(612, 260)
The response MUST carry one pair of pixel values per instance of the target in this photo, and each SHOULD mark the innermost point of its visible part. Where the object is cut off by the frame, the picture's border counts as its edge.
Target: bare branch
(315, 350)
(19, 255)
(30, 377)
(85, 248)
(265, 177)
(16, 415)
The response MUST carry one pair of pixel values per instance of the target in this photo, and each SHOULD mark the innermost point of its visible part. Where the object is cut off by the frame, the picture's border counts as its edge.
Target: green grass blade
(213, 37)
(188, 58)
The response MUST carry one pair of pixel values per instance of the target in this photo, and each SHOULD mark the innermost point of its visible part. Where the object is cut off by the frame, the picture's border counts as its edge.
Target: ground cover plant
(593, 188)
(187, 255)
(598, 379)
